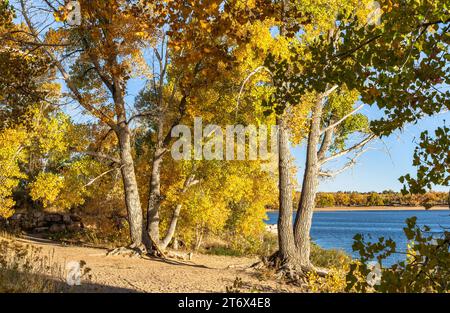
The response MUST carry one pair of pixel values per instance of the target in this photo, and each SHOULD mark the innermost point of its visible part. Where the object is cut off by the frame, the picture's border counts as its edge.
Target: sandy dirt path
(204, 273)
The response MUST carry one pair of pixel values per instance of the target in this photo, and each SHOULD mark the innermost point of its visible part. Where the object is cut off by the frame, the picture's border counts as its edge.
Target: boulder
(66, 219)
(28, 224)
(41, 222)
(73, 227)
(57, 228)
(75, 218)
(53, 218)
(16, 217)
(41, 229)
(38, 214)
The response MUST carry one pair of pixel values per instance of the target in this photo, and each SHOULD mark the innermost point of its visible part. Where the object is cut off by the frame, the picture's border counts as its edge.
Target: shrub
(337, 263)
(266, 246)
(325, 200)
(426, 267)
(223, 250)
(374, 199)
(328, 257)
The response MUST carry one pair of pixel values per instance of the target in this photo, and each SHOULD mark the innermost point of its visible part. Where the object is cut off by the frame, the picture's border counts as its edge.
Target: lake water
(335, 230)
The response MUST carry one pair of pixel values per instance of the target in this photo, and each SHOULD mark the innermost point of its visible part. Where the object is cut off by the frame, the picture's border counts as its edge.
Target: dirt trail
(204, 273)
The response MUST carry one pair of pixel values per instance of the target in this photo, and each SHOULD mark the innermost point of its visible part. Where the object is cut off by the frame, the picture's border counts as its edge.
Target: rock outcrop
(42, 222)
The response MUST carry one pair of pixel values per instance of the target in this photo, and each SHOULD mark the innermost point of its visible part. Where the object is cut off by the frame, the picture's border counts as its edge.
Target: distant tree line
(385, 198)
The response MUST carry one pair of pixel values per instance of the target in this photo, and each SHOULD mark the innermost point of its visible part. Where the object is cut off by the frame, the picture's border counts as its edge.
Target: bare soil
(204, 273)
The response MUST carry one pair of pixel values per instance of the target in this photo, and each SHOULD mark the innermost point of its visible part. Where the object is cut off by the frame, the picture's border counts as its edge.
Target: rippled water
(335, 230)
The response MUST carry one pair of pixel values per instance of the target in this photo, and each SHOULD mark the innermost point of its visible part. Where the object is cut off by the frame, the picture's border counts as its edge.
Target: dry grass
(24, 269)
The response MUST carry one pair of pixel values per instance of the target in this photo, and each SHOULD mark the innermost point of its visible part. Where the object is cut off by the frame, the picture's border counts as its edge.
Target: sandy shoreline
(376, 208)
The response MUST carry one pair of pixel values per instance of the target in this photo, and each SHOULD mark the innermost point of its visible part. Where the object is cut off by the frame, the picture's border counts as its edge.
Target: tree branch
(351, 51)
(329, 91)
(189, 182)
(334, 125)
(96, 112)
(370, 40)
(100, 176)
(254, 72)
(181, 110)
(348, 165)
(326, 143)
(98, 68)
(346, 151)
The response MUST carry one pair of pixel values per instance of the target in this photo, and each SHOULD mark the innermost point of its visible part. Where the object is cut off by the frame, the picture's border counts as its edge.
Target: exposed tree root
(130, 251)
(168, 254)
(140, 252)
(179, 255)
(288, 269)
(322, 272)
(156, 251)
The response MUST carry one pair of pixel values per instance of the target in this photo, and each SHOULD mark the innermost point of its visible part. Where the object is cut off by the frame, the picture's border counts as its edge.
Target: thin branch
(96, 112)
(329, 92)
(346, 151)
(139, 115)
(334, 125)
(97, 67)
(361, 45)
(254, 72)
(370, 40)
(38, 44)
(348, 165)
(100, 176)
(181, 112)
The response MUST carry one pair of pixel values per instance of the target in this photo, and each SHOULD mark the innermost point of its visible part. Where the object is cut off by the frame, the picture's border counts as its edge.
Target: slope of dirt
(204, 273)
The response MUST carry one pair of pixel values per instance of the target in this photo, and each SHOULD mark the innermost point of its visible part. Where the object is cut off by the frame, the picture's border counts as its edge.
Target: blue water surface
(335, 230)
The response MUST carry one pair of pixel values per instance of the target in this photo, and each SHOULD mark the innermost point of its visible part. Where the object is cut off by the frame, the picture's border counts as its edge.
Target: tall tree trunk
(287, 250)
(172, 227)
(154, 200)
(189, 181)
(305, 211)
(198, 236)
(132, 200)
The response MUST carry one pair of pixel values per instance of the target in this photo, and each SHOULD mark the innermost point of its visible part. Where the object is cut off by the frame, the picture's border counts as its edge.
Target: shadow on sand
(20, 282)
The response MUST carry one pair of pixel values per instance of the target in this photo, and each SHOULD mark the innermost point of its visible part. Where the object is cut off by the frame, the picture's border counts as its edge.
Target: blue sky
(380, 168)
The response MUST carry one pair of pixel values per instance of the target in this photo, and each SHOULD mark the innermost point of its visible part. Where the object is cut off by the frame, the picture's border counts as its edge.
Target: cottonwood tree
(192, 55)
(404, 62)
(11, 153)
(300, 80)
(26, 76)
(409, 80)
(228, 200)
(27, 104)
(353, 52)
(333, 120)
(96, 60)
